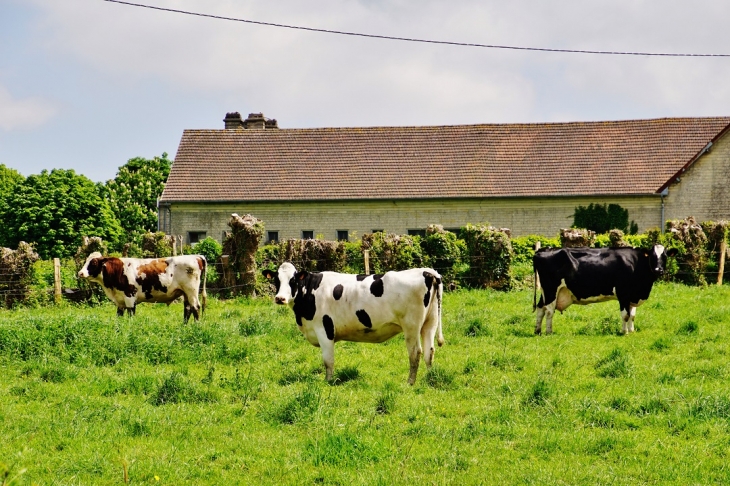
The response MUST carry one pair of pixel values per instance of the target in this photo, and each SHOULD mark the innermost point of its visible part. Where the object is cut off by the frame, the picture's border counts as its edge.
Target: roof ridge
(480, 125)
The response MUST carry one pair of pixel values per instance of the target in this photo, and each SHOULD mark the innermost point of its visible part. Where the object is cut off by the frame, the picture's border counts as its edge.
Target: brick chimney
(255, 121)
(233, 121)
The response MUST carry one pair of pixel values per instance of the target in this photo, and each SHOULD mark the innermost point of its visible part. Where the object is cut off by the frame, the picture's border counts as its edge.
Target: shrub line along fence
(480, 257)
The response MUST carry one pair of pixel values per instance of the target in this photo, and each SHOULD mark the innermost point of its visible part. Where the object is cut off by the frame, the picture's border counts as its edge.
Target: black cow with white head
(330, 307)
(586, 275)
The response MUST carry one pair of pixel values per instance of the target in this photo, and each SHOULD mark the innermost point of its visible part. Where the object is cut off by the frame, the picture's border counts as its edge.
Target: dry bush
(576, 237)
(240, 245)
(16, 273)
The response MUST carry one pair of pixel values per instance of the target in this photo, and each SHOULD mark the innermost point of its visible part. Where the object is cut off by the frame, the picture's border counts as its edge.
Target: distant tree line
(53, 210)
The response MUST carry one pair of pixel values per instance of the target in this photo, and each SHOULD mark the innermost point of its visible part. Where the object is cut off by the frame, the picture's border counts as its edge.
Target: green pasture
(239, 398)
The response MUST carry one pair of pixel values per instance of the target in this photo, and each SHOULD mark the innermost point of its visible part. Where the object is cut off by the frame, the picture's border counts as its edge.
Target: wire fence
(39, 285)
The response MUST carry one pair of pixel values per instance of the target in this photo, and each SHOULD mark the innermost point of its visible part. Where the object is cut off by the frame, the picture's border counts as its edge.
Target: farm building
(343, 182)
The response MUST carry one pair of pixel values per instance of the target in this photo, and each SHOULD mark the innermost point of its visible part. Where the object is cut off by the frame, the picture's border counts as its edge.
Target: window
(378, 231)
(342, 235)
(417, 232)
(195, 236)
(307, 235)
(456, 231)
(272, 236)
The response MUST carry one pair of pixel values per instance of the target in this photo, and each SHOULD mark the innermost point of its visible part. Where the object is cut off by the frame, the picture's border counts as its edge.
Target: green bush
(603, 218)
(489, 252)
(392, 252)
(443, 252)
(523, 247)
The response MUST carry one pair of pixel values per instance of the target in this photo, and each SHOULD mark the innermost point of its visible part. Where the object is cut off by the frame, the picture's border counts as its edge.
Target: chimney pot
(233, 121)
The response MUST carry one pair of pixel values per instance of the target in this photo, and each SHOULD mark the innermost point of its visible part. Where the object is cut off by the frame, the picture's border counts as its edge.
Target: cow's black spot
(329, 327)
(304, 302)
(428, 276)
(360, 278)
(338, 291)
(311, 281)
(376, 288)
(364, 318)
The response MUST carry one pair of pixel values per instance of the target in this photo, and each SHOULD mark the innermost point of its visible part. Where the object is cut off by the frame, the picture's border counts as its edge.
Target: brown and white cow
(127, 281)
(330, 307)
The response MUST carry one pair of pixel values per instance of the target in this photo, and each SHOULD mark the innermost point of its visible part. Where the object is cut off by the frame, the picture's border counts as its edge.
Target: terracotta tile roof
(541, 159)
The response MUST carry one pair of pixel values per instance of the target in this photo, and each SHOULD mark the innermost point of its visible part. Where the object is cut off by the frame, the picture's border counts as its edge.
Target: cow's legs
(413, 344)
(539, 315)
(120, 311)
(130, 303)
(631, 318)
(627, 317)
(187, 309)
(328, 352)
(549, 313)
(194, 306)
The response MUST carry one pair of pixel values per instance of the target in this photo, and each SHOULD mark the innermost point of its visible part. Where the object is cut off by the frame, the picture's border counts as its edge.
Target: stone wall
(523, 216)
(703, 191)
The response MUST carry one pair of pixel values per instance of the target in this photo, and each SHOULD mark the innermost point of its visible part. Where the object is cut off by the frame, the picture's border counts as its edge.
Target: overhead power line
(423, 41)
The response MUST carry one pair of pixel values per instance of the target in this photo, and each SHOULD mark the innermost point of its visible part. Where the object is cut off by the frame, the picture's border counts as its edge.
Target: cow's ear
(268, 274)
(301, 275)
(672, 252)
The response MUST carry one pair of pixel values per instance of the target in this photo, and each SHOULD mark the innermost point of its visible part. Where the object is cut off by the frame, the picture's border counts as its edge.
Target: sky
(88, 84)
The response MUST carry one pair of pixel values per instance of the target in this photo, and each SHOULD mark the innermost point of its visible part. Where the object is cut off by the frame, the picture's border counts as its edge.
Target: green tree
(54, 210)
(602, 218)
(9, 178)
(133, 194)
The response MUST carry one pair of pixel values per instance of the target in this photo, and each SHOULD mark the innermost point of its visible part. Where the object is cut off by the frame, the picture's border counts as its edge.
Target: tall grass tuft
(177, 388)
(688, 328)
(614, 365)
(298, 407)
(345, 374)
(385, 401)
(440, 378)
(477, 328)
(341, 449)
(538, 394)
(254, 325)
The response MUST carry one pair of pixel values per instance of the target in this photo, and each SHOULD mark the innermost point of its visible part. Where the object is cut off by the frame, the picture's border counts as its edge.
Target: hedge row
(482, 256)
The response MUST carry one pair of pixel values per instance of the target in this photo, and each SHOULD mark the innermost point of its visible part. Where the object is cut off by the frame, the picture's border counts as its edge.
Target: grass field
(240, 398)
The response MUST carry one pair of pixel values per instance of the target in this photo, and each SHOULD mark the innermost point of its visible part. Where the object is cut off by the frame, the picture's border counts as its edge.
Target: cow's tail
(439, 295)
(437, 286)
(204, 294)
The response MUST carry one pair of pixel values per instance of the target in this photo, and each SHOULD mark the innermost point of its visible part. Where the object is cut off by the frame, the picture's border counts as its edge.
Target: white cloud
(23, 114)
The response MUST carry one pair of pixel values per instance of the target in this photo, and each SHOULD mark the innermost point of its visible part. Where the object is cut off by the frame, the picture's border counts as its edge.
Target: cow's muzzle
(280, 300)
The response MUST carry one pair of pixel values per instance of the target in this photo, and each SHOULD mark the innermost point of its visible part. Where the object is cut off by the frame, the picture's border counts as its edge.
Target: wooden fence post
(57, 280)
(366, 255)
(721, 270)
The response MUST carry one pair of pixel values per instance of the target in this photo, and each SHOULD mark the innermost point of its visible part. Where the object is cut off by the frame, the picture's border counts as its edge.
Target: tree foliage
(54, 210)
(9, 178)
(602, 218)
(133, 194)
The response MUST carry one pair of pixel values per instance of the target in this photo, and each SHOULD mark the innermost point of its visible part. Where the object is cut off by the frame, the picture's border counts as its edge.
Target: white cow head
(92, 267)
(658, 259)
(285, 282)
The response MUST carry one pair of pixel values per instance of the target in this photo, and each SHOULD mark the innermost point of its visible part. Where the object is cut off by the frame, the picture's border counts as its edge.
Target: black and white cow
(330, 307)
(586, 275)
